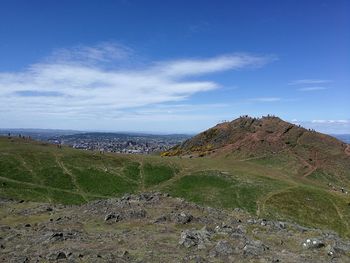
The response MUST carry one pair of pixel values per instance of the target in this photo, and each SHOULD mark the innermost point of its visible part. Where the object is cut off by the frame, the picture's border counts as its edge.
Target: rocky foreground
(154, 227)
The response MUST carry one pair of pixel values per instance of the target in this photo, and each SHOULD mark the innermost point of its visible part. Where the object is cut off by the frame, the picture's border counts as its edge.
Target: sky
(173, 66)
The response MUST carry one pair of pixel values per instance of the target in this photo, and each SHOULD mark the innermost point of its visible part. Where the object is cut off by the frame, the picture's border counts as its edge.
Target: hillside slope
(305, 152)
(256, 136)
(266, 186)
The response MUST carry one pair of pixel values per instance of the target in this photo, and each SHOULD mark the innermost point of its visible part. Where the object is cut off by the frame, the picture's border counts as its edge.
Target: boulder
(160, 219)
(312, 243)
(110, 216)
(341, 247)
(195, 238)
(61, 255)
(182, 218)
(222, 248)
(330, 250)
(254, 248)
(137, 213)
(224, 229)
(114, 217)
(56, 237)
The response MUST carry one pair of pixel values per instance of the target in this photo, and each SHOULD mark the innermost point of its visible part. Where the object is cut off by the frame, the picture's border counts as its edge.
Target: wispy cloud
(340, 126)
(312, 88)
(309, 81)
(103, 52)
(34, 93)
(330, 126)
(85, 82)
(183, 68)
(265, 99)
(331, 121)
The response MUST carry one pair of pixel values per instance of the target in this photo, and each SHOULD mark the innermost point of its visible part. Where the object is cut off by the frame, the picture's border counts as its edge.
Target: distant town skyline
(173, 67)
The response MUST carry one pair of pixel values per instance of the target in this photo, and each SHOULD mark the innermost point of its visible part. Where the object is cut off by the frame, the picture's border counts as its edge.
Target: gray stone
(160, 219)
(223, 248)
(109, 216)
(224, 229)
(182, 218)
(341, 247)
(330, 250)
(195, 238)
(137, 214)
(311, 243)
(254, 248)
(56, 237)
(61, 255)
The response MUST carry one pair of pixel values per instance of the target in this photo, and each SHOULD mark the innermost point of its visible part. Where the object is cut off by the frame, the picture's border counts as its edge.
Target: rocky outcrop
(153, 227)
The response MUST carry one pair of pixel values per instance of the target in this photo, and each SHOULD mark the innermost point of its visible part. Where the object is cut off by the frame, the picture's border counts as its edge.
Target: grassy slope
(269, 186)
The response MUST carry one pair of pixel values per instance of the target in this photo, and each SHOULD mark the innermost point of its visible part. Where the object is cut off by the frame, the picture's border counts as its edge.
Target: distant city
(131, 143)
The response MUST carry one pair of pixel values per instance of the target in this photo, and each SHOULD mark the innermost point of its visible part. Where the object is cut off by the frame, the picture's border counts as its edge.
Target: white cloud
(331, 121)
(84, 82)
(181, 68)
(312, 88)
(295, 121)
(265, 99)
(103, 52)
(309, 81)
(340, 126)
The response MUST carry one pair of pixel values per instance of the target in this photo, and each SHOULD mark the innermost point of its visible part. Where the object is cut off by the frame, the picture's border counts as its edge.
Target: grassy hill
(271, 185)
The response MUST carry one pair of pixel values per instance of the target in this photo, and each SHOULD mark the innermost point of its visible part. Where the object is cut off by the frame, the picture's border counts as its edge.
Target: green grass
(20, 191)
(65, 197)
(10, 167)
(99, 182)
(215, 189)
(155, 174)
(132, 171)
(321, 175)
(311, 207)
(55, 177)
(271, 186)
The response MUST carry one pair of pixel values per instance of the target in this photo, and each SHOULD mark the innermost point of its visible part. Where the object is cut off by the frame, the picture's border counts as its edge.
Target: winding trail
(52, 188)
(142, 175)
(261, 203)
(74, 179)
(185, 171)
(340, 214)
(29, 169)
(313, 169)
(252, 158)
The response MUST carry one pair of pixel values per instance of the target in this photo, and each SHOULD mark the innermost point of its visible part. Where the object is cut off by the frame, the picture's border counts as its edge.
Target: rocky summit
(154, 227)
(248, 136)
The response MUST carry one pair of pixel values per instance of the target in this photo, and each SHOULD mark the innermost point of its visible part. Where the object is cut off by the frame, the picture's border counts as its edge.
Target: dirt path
(142, 175)
(261, 203)
(252, 158)
(340, 214)
(29, 169)
(313, 169)
(176, 177)
(74, 179)
(52, 188)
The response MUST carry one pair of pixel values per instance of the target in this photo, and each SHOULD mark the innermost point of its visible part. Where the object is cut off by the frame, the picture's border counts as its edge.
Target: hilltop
(247, 136)
(312, 154)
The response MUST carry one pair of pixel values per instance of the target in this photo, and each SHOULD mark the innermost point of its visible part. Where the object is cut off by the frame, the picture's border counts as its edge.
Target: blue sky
(173, 66)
